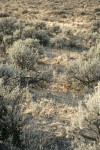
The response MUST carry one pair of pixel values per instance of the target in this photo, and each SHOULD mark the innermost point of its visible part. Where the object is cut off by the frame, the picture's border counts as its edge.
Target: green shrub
(85, 123)
(17, 34)
(13, 117)
(55, 29)
(72, 39)
(94, 28)
(68, 32)
(28, 32)
(9, 76)
(23, 54)
(93, 52)
(7, 25)
(8, 40)
(2, 46)
(91, 39)
(85, 71)
(40, 26)
(59, 43)
(8, 70)
(96, 24)
(43, 37)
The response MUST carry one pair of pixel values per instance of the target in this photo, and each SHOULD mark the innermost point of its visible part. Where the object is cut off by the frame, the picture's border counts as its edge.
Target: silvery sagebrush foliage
(23, 54)
(86, 70)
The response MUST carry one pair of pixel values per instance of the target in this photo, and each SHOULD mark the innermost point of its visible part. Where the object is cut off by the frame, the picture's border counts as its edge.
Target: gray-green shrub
(86, 70)
(59, 43)
(24, 54)
(43, 37)
(55, 29)
(7, 25)
(40, 26)
(28, 32)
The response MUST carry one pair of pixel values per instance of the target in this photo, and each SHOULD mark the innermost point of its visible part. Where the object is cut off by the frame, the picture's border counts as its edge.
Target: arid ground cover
(49, 74)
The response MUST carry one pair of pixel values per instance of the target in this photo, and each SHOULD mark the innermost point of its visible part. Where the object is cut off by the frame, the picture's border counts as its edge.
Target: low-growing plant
(85, 71)
(17, 34)
(7, 25)
(23, 54)
(86, 121)
(40, 26)
(43, 38)
(71, 38)
(59, 43)
(8, 70)
(97, 24)
(8, 40)
(9, 76)
(13, 118)
(28, 32)
(55, 29)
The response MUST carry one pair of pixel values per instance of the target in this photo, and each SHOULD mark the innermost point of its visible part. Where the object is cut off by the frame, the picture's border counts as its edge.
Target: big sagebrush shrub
(8, 70)
(43, 37)
(40, 26)
(8, 40)
(14, 117)
(85, 72)
(7, 25)
(28, 32)
(55, 29)
(85, 124)
(9, 76)
(24, 54)
(59, 43)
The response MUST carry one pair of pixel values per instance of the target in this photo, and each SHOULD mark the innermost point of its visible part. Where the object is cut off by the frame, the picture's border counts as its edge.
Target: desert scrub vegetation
(7, 25)
(12, 117)
(43, 37)
(8, 70)
(54, 30)
(17, 129)
(85, 72)
(86, 122)
(12, 30)
(59, 43)
(16, 104)
(40, 26)
(37, 77)
(28, 32)
(24, 54)
(96, 25)
(9, 76)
